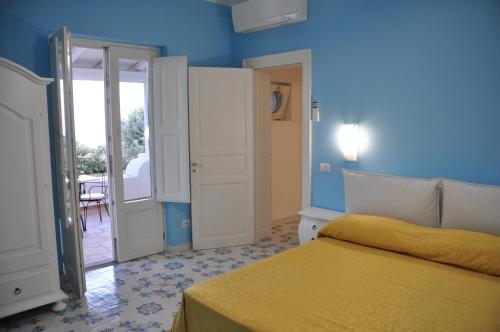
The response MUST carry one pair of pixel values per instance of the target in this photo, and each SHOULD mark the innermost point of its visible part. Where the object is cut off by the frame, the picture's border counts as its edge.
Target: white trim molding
(178, 249)
(304, 58)
(97, 43)
(6, 63)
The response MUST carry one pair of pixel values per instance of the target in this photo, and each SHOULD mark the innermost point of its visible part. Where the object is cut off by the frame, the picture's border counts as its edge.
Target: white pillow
(470, 206)
(413, 200)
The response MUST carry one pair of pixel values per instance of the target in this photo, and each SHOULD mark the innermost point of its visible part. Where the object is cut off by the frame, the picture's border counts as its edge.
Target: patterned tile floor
(143, 295)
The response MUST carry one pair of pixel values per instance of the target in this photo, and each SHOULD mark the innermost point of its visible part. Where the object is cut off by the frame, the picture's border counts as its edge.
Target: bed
(411, 255)
(364, 273)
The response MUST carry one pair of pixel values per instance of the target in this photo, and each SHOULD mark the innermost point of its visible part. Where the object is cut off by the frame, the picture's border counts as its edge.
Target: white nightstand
(312, 220)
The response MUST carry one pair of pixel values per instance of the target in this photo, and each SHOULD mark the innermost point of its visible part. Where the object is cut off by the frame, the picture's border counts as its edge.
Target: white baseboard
(179, 249)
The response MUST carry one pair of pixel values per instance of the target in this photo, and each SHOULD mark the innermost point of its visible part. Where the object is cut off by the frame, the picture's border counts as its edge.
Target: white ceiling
(226, 2)
(93, 58)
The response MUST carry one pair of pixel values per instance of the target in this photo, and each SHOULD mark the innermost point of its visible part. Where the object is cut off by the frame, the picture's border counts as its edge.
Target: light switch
(324, 168)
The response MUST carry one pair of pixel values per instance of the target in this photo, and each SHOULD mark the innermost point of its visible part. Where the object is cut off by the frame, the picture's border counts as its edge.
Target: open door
(139, 219)
(222, 156)
(73, 279)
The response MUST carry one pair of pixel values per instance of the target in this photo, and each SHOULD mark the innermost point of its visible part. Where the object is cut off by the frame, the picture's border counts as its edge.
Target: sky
(88, 99)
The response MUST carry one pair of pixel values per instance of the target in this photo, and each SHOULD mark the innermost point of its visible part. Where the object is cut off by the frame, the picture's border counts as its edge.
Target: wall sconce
(349, 141)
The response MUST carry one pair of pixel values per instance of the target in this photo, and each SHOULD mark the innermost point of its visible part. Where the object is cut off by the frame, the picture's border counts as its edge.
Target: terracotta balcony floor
(98, 239)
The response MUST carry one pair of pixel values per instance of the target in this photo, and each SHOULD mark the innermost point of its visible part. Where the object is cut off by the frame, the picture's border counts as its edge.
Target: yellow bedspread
(334, 285)
(471, 250)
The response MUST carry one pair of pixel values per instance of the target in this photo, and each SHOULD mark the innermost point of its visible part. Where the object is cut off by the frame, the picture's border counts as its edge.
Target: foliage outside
(90, 160)
(133, 136)
(93, 160)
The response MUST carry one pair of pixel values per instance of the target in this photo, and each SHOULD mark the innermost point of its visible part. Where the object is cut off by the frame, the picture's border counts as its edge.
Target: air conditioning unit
(255, 15)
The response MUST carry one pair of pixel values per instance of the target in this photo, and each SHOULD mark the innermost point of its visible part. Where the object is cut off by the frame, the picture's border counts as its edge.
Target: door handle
(195, 164)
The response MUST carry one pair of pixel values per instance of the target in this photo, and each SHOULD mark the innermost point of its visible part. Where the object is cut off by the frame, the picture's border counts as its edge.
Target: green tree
(93, 160)
(90, 160)
(133, 135)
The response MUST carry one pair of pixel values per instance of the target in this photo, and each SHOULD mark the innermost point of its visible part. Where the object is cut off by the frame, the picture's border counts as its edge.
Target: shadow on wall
(27, 42)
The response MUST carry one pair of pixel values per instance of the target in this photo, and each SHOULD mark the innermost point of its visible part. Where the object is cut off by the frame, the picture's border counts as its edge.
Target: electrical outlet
(186, 223)
(324, 168)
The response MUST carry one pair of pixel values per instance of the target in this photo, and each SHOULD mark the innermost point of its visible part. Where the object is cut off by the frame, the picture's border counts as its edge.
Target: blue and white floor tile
(144, 294)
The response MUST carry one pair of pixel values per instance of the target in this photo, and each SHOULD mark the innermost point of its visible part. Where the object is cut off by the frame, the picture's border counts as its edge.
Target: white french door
(137, 215)
(74, 278)
(222, 156)
(139, 221)
(218, 181)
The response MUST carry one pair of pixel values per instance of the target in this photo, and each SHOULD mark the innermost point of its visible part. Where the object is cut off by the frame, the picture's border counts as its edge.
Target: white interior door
(262, 139)
(222, 156)
(73, 278)
(139, 221)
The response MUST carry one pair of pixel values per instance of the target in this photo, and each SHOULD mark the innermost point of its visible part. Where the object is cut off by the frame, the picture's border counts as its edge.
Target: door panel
(23, 243)
(171, 129)
(221, 203)
(74, 278)
(223, 167)
(221, 135)
(144, 235)
(221, 101)
(139, 221)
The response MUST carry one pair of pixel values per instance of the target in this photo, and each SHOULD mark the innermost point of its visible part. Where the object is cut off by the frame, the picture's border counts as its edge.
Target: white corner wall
(286, 154)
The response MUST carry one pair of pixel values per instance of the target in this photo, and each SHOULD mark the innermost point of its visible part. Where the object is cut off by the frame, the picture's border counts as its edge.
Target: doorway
(103, 123)
(91, 156)
(126, 180)
(301, 61)
(93, 149)
(285, 92)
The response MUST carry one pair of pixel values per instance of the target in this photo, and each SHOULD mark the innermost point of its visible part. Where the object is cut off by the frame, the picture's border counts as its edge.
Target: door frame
(96, 43)
(92, 44)
(105, 45)
(304, 58)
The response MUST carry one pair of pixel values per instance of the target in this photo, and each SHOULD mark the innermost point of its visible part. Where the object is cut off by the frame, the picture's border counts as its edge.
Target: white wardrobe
(28, 257)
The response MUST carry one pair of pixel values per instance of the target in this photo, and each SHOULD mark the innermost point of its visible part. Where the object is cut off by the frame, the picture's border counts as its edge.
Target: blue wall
(176, 234)
(196, 28)
(422, 78)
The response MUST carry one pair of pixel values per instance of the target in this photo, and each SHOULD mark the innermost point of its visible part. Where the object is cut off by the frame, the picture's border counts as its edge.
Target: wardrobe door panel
(23, 182)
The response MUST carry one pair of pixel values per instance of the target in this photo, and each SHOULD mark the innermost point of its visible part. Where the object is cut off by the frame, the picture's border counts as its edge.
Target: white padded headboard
(471, 206)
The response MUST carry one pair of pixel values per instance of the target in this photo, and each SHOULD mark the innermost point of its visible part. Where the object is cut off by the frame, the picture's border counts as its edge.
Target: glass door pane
(135, 129)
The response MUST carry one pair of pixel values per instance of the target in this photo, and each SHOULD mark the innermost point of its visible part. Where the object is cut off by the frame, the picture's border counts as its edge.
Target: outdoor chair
(96, 193)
